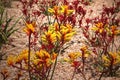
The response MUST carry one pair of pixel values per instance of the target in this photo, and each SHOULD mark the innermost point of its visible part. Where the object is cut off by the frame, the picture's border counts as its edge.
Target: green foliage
(6, 29)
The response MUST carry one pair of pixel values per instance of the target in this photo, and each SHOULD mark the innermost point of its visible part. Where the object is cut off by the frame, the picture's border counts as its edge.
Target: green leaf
(3, 37)
(7, 24)
(9, 33)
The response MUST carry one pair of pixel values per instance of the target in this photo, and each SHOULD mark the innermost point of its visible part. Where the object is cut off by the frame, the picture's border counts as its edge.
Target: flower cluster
(40, 63)
(56, 33)
(100, 33)
(77, 59)
(64, 9)
(100, 28)
(23, 56)
(30, 27)
(113, 58)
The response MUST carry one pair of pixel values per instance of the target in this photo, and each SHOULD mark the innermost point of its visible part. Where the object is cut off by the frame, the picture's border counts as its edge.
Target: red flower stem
(29, 50)
(19, 68)
(73, 74)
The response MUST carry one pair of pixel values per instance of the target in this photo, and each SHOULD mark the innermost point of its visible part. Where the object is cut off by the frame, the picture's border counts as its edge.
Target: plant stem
(73, 74)
(55, 65)
(101, 74)
(54, 68)
(29, 50)
(48, 72)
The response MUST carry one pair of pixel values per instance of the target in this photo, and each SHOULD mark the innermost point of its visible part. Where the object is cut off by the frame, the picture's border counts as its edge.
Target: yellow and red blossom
(54, 27)
(49, 37)
(30, 28)
(42, 54)
(64, 9)
(38, 58)
(113, 30)
(44, 58)
(74, 56)
(66, 32)
(11, 60)
(54, 10)
(85, 52)
(113, 58)
(73, 59)
(62, 33)
(98, 27)
(16, 59)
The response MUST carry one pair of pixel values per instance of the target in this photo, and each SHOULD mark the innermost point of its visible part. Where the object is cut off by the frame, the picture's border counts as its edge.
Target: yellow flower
(94, 28)
(67, 33)
(114, 30)
(84, 48)
(54, 10)
(60, 10)
(11, 60)
(74, 56)
(42, 54)
(68, 36)
(30, 28)
(113, 58)
(19, 59)
(36, 61)
(49, 37)
(65, 10)
(24, 54)
(98, 27)
(66, 59)
(63, 33)
(85, 51)
(54, 27)
(105, 59)
(44, 58)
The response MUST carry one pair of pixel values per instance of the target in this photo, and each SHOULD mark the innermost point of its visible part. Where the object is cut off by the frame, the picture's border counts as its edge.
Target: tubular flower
(36, 61)
(54, 27)
(22, 56)
(54, 10)
(113, 58)
(74, 56)
(30, 28)
(65, 10)
(42, 54)
(63, 33)
(113, 30)
(49, 37)
(18, 59)
(85, 52)
(73, 59)
(43, 57)
(66, 33)
(11, 60)
(98, 27)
